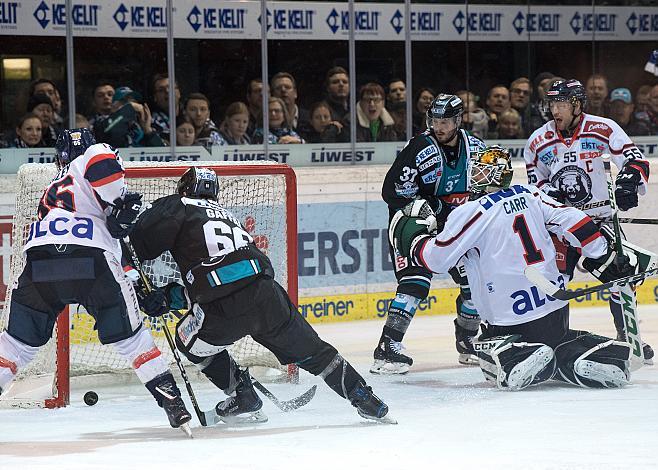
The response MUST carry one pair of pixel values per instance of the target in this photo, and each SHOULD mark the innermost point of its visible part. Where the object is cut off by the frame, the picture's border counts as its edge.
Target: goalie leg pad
(513, 364)
(594, 361)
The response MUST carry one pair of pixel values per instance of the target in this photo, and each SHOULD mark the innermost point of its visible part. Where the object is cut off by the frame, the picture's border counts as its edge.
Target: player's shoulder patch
(598, 125)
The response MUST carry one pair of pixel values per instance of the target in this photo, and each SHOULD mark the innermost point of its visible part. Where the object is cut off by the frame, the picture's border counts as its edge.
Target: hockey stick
(536, 277)
(204, 416)
(631, 220)
(289, 405)
(626, 291)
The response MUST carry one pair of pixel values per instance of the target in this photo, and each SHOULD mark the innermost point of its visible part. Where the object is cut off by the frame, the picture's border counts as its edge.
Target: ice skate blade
(383, 420)
(468, 360)
(255, 417)
(382, 367)
(187, 430)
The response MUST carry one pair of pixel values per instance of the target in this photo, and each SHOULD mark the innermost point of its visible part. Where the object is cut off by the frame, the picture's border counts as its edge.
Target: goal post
(263, 196)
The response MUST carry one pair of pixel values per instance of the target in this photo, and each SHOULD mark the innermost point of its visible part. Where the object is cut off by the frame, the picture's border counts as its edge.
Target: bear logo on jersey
(575, 184)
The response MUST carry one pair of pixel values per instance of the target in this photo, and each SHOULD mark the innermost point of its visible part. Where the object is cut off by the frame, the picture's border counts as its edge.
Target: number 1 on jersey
(532, 255)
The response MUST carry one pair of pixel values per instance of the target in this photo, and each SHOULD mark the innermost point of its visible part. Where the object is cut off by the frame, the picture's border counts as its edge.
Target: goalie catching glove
(412, 224)
(124, 213)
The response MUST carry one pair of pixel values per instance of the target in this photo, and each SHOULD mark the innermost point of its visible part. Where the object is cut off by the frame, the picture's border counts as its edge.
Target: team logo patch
(549, 135)
(547, 156)
(406, 189)
(575, 184)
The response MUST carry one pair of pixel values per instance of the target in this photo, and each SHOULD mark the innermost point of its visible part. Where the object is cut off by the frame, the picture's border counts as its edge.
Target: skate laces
(396, 346)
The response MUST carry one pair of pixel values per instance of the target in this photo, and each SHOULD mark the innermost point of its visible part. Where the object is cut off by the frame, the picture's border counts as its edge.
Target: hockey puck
(91, 398)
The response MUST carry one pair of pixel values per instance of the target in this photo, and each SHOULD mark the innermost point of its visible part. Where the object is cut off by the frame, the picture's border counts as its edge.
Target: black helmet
(72, 143)
(200, 183)
(445, 106)
(567, 90)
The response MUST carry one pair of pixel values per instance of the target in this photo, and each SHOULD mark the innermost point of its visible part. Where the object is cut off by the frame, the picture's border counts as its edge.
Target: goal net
(262, 196)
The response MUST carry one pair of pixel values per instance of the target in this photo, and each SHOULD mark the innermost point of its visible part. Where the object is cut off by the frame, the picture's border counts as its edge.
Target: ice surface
(448, 419)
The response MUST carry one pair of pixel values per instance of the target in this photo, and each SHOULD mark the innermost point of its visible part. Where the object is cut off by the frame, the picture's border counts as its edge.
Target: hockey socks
(400, 313)
(143, 355)
(14, 355)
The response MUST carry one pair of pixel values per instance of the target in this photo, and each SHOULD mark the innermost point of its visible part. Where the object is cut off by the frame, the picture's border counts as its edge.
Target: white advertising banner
(210, 19)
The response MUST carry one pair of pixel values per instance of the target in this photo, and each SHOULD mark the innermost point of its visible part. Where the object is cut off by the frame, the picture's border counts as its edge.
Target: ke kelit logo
(8, 12)
(83, 15)
(429, 21)
(363, 20)
(477, 22)
(590, 22)
(642, 23)
(216, 18)
(536, 22)
(140, 16)
(289, 19)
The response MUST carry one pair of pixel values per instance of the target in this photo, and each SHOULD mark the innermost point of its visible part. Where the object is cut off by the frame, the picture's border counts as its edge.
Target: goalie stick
(626, 291)
(536, 277)
(211, 417)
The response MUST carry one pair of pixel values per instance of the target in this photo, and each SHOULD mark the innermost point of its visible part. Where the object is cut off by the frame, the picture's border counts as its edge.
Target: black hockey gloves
(610, 266)
(628, 181)
(122, 219)
(554, 193)
(153, 303)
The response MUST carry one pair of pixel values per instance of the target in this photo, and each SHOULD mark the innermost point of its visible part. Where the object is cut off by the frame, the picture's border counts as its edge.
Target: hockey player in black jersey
(431, 167)
(231, 285)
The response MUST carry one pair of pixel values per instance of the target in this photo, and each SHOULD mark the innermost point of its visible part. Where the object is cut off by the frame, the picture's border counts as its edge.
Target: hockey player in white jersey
(526, 337)
(73, 256)
(563, 158)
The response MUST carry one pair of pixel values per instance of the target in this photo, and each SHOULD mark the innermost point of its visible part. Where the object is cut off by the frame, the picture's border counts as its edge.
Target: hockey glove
(610, 266)
(153, 303)
(554, 193)
(122, 219)
(404, 232)
(627, 183)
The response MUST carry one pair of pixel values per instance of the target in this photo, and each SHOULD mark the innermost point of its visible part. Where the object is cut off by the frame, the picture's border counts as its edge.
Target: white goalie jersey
(74, 207)
(499, 235)
(574, 166)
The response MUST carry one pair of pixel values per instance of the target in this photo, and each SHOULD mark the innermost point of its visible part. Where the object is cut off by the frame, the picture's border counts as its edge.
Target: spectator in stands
(621, 111)
(48, 88)
(160, 114)
(102, 100)
(497, 102)
(129, 124)
(236, 122)
(197, 108)
(650, 116)
(374, 123)
(28, 132)
(397, 92)
(184, 131)
(280, 131)
(642, 98)
(337, 86)
(41, 105)
(474, 119)
(81, 121)
(520, 91)
(321, 129)
(255, 104)
(539, 113)
(284, 86)
(596, 88)
(509, 125)
(423, 100)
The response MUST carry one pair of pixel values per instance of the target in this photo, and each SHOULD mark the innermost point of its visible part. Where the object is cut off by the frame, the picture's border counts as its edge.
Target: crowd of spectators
(123, 117)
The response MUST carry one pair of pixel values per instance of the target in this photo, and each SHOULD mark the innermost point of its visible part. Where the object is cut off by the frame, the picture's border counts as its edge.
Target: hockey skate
(388, 358)
(464, 345)
(646, 348)
(368, 405)
(243, 406)
(167, 394)
(523, 374)
(609, 375)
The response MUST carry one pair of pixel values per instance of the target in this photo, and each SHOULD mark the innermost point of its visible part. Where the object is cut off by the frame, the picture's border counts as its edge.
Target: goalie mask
(72, 143)
(200, 183)
(444, 116)
(490, 170)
